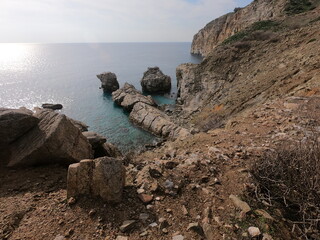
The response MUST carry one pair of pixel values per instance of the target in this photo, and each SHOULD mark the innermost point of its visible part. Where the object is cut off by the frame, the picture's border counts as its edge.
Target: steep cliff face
(263, 65)
(221, 28)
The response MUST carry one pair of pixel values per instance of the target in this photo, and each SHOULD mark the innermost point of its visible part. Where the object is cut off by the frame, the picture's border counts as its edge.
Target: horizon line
(88, 42)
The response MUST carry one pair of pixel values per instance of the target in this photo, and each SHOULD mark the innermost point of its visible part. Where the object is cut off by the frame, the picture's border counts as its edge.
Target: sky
(62, 21)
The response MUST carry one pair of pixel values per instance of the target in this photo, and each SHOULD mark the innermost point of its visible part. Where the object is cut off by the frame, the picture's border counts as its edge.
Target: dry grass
(290, 175)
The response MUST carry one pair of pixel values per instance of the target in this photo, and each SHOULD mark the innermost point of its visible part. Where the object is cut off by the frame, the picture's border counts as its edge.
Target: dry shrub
(290, 175)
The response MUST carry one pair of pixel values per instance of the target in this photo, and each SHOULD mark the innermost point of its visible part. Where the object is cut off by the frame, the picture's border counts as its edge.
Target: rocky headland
(240, 160)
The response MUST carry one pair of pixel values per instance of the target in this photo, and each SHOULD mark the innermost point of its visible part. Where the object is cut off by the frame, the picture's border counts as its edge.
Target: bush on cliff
(259, 31)
(298, 6)
(290, 175)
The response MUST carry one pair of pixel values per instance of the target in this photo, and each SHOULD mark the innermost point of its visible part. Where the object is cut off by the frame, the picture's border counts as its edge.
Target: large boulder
(128, 96)
(109, 82)
(156, 122)
(54, 140)
(14, 123)
(155, 81)
(102, 177)
(80, 125)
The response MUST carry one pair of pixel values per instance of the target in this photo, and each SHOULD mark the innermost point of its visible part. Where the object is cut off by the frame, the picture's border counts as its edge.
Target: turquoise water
(32, 74)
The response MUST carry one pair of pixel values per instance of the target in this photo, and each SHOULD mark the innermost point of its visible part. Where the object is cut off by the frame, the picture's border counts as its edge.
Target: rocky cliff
(264, 64)
(223, 27)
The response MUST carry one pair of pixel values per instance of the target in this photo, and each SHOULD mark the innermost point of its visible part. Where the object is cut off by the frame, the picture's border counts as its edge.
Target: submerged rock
(128, 96)
(14, 123)
(155, 81)
(54, 140)
(109, 81)
(52, 106)
(103, 177)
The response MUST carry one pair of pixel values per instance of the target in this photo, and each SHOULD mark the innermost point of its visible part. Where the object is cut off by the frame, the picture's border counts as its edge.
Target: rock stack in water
(154, 81)
(109, 82)
(144, 113)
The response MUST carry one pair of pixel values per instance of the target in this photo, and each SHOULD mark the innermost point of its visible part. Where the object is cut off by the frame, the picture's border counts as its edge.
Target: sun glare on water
(13, 56)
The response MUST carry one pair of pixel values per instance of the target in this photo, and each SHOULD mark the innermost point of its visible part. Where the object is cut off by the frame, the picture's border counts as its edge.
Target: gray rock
(155, 81)
(103, 177)
(109, 81)
(80, 125)
(128, 96)
(243, 206)
(127, 225)
(209, 231)
(54, 140)
(14, 123)
(156, 122)
(95, 139)
(52, 106)
(178, 237)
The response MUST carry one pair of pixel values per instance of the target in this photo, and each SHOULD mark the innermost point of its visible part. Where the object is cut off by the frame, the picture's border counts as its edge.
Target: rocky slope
(250, 96)
(223, 27)
(264, 64)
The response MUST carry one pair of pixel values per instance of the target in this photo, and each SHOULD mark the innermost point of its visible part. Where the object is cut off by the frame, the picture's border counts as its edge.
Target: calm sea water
(32, 74)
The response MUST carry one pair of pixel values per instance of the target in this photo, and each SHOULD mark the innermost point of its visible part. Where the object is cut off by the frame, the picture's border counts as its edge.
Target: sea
(33, 74)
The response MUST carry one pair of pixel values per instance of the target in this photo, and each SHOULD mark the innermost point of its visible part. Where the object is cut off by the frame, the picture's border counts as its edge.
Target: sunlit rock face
(223, 27)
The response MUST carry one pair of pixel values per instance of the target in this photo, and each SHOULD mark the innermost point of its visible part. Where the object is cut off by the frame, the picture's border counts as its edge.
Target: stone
(54, 140)
(14, 123)
(208, 231)
(80, 125)
(254, 231)
(264, 214)
(163, 223)
(178, 237)
(95, 139)
(145, 198)
(52, 106)
(195, 227)
(243, 206)
(156, 122)
(103, 177)
(128, 96)
(155, 81)
(122, 238)
(59, 237)
(144, 216)
(266, 236)
(109, 82)
(111, 151)
(127, 225)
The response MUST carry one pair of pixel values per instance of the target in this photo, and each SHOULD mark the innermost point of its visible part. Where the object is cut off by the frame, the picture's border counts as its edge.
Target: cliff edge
(223, 27)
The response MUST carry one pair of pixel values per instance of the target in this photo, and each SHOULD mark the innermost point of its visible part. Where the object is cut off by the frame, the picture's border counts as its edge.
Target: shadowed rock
(54, 140)
(109, 81)
(52, 106)
(155, 81)
(103, 177)
(128, 96)
(14, 123)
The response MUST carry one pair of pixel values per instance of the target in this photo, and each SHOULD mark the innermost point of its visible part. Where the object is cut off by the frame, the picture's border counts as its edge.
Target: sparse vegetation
(290, 175)
(298, 6)
(257, 31)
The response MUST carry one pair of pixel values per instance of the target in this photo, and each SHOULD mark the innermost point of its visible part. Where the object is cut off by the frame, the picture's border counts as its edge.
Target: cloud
(106, 20)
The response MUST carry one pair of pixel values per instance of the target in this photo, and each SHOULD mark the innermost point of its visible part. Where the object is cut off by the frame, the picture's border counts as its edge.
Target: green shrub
(298, 6)
(249, 32)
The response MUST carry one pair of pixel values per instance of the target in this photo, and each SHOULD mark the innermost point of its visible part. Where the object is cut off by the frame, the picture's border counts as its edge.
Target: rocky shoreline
(247, 103)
